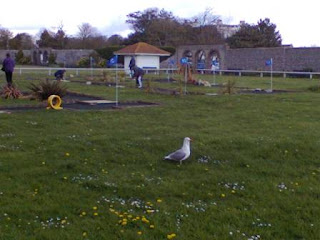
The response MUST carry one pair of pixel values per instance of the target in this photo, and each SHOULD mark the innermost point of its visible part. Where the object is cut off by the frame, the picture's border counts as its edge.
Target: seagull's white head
(187, 141)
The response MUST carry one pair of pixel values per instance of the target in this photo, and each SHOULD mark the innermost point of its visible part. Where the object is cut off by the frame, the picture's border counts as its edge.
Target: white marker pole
(117, 97)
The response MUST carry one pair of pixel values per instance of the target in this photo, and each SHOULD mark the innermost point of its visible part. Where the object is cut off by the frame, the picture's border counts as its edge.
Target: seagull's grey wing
(177, 155)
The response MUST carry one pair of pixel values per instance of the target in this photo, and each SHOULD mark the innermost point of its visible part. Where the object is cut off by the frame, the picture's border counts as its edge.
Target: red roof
(142, 48)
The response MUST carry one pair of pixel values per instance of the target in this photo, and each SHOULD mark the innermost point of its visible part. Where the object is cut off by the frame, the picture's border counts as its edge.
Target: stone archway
(45, 57)
(35, 58)
(200, 57)
(214, 60)
(188, 54)
(192, 52)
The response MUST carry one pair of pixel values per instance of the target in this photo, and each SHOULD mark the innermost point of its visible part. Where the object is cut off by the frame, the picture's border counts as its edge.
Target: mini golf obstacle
(54, 102)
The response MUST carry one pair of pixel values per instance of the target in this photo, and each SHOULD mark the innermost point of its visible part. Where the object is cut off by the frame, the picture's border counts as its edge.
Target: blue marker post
(269, 62)
(184, 62)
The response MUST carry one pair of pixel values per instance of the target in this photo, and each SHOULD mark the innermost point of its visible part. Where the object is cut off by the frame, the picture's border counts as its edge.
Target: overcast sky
(297, 21)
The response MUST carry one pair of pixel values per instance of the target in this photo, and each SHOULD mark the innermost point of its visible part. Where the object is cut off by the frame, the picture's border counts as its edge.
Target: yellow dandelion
(83, 213)
(150, 211)
(139, 233)
(67, 154)
(171, 236)
(233, 191)
(95, 214)
(223, 195)
(159, 200)
(95, 208)
(65, 178)
(63, 221)
(152, 226)
(84, 234)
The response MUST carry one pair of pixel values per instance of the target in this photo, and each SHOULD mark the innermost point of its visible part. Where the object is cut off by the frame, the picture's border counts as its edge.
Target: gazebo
(146, 55)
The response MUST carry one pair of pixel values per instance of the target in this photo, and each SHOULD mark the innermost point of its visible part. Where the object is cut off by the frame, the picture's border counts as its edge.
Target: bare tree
(5, 36)
(86, 31)
(205, 18)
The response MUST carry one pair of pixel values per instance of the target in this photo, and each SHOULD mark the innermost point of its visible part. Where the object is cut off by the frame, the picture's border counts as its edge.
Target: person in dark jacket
(132, 64)
(138, 74)
(8, 65)
(59, 74)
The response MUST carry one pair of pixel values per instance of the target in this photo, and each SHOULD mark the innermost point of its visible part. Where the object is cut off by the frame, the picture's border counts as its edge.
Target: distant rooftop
(142, 48)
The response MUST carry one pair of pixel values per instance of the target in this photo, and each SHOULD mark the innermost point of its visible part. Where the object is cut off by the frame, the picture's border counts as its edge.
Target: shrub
(84, 62)
(229, 87)
(52, 58)
(10, 92)
(315, 88)
(47, 88)
(21, 59)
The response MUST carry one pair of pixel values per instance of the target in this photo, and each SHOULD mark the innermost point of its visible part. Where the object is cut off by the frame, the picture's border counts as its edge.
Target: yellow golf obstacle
(54, 102)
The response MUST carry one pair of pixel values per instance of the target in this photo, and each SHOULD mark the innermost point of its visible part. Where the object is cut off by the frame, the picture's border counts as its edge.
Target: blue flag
(113, 60)
(269, 62)
(184, 60)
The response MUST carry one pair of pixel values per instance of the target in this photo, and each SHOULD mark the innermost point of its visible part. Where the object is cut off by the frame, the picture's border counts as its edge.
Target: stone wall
(285, 58)
(66, 58)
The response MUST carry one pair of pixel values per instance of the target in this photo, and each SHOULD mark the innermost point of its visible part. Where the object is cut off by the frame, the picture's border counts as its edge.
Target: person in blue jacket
(59, 74)
(8, 65)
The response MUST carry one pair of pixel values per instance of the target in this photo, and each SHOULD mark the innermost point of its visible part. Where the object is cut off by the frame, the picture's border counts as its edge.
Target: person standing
(137, 74)
(132, 64)
(8, 65)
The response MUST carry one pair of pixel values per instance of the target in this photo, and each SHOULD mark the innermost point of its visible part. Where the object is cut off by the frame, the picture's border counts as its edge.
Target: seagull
(181, 154)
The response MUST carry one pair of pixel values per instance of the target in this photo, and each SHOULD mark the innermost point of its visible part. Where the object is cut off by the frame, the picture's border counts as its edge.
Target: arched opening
(214, 60)
(35, 58)
(201, 61)
(188, 54)
(45, 57)
(41, 57)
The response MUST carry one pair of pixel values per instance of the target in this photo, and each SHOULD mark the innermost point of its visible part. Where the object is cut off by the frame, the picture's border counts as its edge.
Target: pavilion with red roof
(146, 55)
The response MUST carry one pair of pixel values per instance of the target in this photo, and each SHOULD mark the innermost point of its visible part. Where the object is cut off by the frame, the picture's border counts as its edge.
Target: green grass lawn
(253, 173)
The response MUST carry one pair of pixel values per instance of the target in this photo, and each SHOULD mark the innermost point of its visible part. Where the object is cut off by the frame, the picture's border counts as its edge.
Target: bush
(47, 88)
(315, 88)
(228, 88)
(52, 59)
(107, 52)
(21, 59)
(10, 92)
(84, 62)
